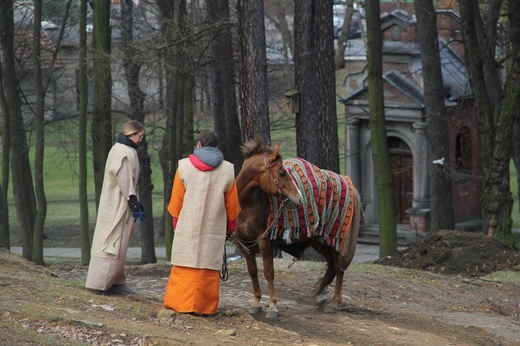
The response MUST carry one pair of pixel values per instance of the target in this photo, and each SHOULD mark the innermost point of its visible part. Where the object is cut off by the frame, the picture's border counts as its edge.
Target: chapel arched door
(401, 160)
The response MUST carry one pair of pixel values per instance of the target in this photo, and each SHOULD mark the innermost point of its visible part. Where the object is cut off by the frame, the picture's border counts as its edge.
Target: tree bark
(496, 105)
(327, 116)
(136, 96)
(345, 32)
(223, 95)
(306, 82)
(438, 139)
(4, 224)
(253, 70)
(168, 151)
(41, 200)
(380, 155)
(23, 192)
(4, 209)
(102, 111)
(82, 136)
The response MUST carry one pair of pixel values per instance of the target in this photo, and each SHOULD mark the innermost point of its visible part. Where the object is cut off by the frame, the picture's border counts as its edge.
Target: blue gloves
(137, 208)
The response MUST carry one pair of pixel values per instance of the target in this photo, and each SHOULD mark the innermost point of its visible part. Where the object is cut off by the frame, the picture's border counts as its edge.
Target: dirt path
(382, 306)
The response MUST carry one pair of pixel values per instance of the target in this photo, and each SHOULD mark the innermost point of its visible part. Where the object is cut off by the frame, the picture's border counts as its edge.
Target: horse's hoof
(255, 310)
(330, 309)
(322, 300)
(272, 315)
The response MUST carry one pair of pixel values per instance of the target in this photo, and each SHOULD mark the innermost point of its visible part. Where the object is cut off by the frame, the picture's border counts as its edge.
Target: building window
(463, 152)
(396, 33)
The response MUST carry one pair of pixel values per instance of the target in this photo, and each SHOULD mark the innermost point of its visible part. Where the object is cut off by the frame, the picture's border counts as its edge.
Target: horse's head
(266, 167)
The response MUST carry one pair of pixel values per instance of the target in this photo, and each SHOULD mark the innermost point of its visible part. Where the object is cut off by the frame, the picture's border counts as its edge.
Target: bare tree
(4, 210)
(380, 154)
(168, 152)
(23, 192)
(178, 135)
(496, 94)
(223, 81)
(132, 65)
(253, 70)
(102, 113)
(344, 34)
(41, 200)
(82, 135)
(4, 224)
(42, 78)
(438, 140)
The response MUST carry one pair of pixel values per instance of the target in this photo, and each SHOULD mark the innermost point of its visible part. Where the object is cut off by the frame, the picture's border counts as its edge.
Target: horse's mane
(255, 147)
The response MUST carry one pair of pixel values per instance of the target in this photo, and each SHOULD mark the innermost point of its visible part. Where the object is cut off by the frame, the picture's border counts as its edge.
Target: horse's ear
(276, 151)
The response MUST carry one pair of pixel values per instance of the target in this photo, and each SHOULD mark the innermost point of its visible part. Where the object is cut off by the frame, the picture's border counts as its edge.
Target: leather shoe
(120, 289)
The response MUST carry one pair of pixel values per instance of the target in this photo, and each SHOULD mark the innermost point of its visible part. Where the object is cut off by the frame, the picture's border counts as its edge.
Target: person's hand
(229, 235)
(137, 209)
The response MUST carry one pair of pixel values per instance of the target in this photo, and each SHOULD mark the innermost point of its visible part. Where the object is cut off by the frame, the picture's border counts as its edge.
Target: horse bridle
(269, 167)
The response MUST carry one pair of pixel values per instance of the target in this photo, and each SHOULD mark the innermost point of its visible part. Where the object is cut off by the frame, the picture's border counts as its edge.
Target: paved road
(364, 253)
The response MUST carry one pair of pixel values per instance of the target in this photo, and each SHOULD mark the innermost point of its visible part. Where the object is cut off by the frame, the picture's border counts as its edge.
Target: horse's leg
(341, 263)
(320, 295)
(333, 305)
(253, 273)
(267, 251)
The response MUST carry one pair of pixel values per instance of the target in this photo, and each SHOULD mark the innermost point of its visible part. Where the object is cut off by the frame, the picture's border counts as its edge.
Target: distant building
(405, 123)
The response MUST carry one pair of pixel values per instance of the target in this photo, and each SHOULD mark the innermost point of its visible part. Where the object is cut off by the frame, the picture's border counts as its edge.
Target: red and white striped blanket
(327, 206)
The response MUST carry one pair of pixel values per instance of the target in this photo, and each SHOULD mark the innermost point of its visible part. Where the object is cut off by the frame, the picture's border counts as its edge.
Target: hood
(206, 158)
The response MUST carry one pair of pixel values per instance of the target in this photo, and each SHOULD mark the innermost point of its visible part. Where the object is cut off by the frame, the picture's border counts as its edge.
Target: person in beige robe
(119, 210)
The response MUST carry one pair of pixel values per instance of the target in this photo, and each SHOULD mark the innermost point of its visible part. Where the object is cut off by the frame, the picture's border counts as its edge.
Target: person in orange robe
(204, 206)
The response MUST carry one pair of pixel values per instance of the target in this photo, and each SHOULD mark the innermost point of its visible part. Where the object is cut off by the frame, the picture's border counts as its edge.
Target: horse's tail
(330, 273)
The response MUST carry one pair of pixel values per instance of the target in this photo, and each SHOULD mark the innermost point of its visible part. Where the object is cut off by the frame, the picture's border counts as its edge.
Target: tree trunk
(41, 200)
(496, 109)
(136, 96)
(345, 32)
(41, 83)
(253, 70)
(327, 116)
(306, 82)
(23, 192)
(4, 225)
(168, 152)
(82, 136)
(438, 139)
(280, 22)
(380, 155)
(223, 95)
(4, 210)
(102, 116)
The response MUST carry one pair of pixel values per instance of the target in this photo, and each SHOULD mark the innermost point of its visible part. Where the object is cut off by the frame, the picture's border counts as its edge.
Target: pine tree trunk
(253, 70)
(438, 141)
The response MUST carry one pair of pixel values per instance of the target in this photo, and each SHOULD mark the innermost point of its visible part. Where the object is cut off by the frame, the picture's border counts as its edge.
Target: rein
(248, 244)
(224, 274)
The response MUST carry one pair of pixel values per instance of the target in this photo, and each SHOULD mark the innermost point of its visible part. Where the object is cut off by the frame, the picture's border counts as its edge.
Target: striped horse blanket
(326, 211)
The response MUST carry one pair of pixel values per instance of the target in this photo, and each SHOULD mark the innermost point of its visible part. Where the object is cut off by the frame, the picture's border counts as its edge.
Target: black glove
(137, 208)
(135, 204)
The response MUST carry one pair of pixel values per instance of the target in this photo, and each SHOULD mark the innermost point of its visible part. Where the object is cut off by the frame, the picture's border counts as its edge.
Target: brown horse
(270, 199)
